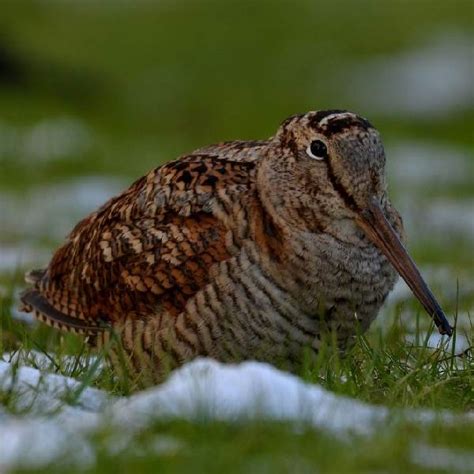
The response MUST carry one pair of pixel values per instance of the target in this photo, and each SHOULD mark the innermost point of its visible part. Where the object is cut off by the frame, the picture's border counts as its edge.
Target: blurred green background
(95, 93)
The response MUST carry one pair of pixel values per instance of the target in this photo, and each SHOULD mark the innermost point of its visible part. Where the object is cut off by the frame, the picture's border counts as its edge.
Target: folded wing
(146, 252)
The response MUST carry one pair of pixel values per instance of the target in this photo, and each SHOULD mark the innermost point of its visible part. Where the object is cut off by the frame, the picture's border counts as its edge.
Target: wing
(147, 251)
(243, 151)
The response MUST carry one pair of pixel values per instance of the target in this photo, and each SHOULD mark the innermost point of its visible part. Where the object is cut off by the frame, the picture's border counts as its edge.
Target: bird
(239, 250)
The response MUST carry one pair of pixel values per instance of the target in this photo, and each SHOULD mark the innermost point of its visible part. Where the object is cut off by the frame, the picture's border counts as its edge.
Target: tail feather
(34, 276)
(34, 301)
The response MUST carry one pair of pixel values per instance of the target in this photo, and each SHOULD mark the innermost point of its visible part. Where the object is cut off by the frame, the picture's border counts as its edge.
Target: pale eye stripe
(326, 119)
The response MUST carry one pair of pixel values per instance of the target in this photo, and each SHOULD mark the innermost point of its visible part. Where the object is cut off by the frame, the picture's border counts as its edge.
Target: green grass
(274, 448)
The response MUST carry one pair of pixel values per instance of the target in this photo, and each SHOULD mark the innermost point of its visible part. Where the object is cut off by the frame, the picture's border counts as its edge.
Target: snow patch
(13, 257)
(208, 389)
(431, 80)
(46, 362)
(46, 442)
(436, 340)
(441, 458)
(202, 389)
(437, 220)
(51, 212)
(420, 171)
(417, 165)
(47, 140)
(45, 393)
(445, 217)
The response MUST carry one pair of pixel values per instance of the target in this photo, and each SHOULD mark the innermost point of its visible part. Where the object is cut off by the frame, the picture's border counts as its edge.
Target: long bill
(377, 228)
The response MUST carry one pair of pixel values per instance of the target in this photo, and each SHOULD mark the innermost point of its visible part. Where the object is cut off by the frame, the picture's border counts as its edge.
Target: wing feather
(146, 251)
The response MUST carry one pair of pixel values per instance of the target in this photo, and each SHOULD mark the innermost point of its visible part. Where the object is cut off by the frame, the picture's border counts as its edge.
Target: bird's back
(146, 252)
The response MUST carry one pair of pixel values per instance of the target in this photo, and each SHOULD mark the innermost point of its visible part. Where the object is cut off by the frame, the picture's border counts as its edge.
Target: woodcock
(244, 249)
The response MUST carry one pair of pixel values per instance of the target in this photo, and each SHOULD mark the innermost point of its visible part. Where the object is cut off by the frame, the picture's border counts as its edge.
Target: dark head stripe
(321, 114)
(342, 120)
(338, 125)
(340, 189)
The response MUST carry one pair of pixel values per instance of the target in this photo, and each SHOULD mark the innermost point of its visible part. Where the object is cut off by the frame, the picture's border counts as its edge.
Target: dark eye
(317, 150)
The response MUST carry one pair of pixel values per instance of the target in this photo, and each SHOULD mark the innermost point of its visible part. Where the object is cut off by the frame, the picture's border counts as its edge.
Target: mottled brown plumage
(238, 250)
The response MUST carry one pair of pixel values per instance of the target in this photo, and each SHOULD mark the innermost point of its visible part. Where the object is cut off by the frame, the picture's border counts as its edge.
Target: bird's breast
(266, 309)
(337, 280)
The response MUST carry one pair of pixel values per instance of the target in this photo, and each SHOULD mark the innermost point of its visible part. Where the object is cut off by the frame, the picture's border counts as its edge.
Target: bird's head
(328, 167)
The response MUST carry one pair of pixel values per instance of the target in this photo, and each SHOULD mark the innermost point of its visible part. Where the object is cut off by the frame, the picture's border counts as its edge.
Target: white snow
(52, 211)
(208, 389)
(428, 81)
(436, 340)
(43, 393)
(35, 443)
(420, 172)
(47, 140)
(47, 362)
(454, 216)
(204, 389)
(13, 257)
(437, 220)
(414, 166)
(440, 458)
